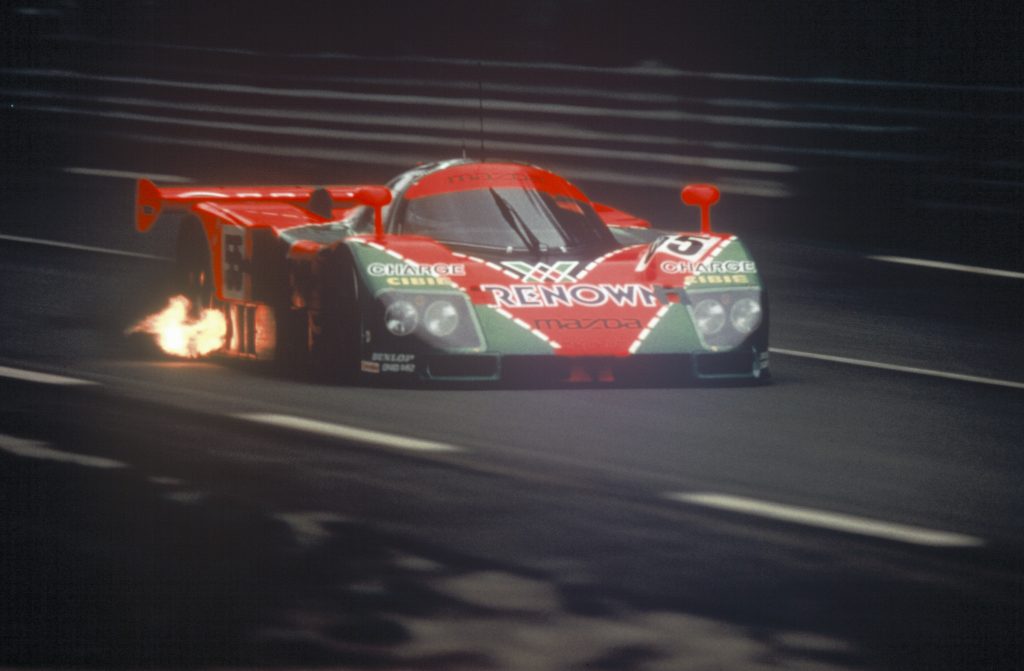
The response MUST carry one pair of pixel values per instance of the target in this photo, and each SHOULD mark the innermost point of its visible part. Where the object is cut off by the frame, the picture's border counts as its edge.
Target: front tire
(335, 328)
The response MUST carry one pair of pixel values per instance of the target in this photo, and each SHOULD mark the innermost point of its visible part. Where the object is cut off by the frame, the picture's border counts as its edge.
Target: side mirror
(702, 196)
(376, 197)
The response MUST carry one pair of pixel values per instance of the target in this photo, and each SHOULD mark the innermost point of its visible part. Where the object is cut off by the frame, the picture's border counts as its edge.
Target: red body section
(252, 207)
(151, 201)
(594, 307)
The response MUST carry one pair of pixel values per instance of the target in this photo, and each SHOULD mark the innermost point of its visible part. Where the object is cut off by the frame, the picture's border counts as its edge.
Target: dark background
(942, 42)
(948, 188)
(837, 131)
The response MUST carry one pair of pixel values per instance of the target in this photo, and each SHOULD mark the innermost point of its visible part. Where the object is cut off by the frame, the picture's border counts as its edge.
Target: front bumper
(643, 369)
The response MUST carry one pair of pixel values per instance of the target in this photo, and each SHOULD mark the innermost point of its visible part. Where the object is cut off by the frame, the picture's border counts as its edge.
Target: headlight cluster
(441, 319)
(724, 319)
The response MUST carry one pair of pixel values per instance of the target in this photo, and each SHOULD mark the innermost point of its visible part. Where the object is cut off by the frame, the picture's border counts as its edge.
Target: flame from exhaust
(178, 334)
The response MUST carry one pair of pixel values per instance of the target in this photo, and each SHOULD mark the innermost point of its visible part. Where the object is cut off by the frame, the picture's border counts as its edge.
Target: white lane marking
(33, 449)
(942, 265)
(41, 378)
(310, 528)
(81, 248)
(826, 520)
(344, 432)
(124, 174)
(902, 369)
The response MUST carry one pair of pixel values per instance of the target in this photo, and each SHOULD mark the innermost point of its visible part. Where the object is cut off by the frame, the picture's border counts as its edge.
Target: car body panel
(631, 292)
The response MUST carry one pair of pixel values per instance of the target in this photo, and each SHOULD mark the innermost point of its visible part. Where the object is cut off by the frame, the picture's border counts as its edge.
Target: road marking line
(124, 174)
(826, 520)
(42, 378)
(902, 369)
(942, 265)
(34, 449)
(351, 433)
(81, 248)
(310, 528)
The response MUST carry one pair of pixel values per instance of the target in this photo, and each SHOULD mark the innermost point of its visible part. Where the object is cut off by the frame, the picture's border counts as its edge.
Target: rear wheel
(194, 274)
(194, 271)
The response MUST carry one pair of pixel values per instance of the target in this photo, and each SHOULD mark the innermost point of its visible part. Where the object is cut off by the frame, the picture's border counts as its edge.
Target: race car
(466, 270)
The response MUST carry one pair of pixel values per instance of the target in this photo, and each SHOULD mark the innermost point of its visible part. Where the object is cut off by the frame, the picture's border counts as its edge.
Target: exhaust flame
(178, 334)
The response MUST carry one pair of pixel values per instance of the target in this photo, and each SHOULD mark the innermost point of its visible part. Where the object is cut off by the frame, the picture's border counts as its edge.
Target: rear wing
(151, 201)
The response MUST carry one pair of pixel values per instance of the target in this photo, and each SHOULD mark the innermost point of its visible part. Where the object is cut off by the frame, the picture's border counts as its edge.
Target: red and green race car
(465, 270)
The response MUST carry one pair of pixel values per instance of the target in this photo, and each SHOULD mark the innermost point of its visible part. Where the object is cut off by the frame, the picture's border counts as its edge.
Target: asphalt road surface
(862, 512)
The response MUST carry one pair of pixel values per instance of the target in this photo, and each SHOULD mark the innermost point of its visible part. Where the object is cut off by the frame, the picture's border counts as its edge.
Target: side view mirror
(702, 196)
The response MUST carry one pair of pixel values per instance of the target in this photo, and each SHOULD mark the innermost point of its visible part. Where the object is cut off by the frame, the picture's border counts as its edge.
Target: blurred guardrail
(931, 167)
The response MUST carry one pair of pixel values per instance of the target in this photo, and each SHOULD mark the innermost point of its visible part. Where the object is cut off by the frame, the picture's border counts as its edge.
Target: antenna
(480, 99)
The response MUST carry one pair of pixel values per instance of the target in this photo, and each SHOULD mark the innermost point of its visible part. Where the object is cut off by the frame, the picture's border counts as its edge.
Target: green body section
(674, 332)
(504, 336)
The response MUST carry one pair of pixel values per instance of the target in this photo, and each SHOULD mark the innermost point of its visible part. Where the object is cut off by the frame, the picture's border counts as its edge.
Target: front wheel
(335, 327)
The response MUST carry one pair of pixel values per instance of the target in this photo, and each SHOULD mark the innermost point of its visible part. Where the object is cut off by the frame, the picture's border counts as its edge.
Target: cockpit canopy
(501, 208)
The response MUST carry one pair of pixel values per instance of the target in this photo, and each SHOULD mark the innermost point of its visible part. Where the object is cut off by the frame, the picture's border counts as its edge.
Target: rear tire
(194, 270)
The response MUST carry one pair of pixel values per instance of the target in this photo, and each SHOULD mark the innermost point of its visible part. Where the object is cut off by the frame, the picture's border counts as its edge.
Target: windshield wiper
(517, 224)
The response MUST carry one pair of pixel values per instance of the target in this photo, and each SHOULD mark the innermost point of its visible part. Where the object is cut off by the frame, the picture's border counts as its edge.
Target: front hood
(633, 299)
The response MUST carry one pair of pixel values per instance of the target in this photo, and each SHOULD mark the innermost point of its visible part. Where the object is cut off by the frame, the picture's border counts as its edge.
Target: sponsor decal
(394, 363)
(687, 247)
(559, 271)
(720, 267)
(393, 358)
(234, 264)
(720, 279)
(582, 295)
(419, 282)
(510, 177)
(607, 324)
(369, 367)
(410, 270)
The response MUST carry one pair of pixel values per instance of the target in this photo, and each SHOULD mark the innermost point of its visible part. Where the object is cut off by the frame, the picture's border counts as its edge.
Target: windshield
(513, 219)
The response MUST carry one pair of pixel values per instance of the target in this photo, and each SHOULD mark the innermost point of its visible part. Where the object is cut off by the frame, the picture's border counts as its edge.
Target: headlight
(401, 318)
(709, 315)
(441, 318)
(745, 315)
